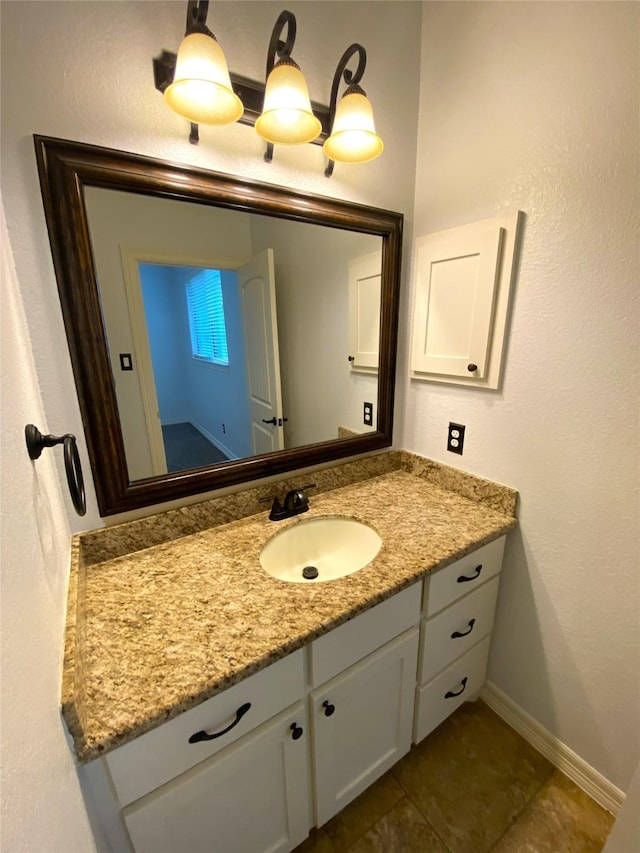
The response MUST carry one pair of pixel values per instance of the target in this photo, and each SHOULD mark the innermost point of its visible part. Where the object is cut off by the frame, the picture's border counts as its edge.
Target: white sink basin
(334, 547)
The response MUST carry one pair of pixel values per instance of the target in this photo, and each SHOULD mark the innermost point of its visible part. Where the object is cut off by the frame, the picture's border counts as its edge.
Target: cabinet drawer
(253, 796)
(462, 577)
(451, 633)
(158, 756)
(354, 640)
(459, 682)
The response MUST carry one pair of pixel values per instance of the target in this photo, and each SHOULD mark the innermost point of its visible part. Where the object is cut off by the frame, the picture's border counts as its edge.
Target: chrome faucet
(295, 502)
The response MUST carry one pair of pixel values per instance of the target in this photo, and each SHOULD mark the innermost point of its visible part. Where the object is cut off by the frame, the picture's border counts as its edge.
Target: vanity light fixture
(198, 86)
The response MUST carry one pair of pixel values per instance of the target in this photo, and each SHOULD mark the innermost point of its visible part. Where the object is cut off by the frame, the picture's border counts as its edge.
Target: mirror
(220, 330)
(276, 304)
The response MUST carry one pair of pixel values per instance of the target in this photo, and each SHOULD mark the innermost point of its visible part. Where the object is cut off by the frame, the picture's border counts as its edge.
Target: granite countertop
(153, 633)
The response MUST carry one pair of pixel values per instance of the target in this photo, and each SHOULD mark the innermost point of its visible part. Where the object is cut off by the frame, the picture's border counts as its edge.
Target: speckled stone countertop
(152, 633)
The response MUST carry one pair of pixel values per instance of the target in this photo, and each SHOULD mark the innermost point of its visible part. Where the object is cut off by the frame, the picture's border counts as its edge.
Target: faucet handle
(308, 486)
(274, 500)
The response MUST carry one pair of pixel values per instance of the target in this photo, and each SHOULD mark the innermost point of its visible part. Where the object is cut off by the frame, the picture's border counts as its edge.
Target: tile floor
(472, 786)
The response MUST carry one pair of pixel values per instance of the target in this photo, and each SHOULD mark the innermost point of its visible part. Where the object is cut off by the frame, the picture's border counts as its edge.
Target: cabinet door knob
(198, 736)
(466, 633)
(296, 731)
(472, 368)
(464, 578)
(328, 708)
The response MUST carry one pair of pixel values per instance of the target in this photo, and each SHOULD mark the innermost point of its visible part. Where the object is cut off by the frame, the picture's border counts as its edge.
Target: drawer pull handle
(296, 731)
(457, 634)
(328, 708)
(450, 694)
(464, 578)
(198, 736)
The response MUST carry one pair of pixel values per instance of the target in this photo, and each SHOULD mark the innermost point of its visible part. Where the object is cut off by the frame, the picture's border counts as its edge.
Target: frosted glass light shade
(201, 89)
(353, 138)
(286, 117)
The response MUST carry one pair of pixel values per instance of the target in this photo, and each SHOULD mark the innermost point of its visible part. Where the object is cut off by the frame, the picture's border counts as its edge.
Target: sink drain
(309, 573)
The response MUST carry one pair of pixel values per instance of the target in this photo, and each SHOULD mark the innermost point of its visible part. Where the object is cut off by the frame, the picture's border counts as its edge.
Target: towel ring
(36, 442)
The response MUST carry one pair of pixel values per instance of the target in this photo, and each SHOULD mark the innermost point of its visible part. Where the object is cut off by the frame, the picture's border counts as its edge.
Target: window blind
(206, 317)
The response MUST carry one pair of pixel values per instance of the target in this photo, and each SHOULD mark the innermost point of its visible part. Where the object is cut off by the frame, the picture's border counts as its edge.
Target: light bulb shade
(286, 117)
(353, 138)
(201, 89)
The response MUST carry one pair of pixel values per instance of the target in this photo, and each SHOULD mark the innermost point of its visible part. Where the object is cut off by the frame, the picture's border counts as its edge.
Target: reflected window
(206, 317)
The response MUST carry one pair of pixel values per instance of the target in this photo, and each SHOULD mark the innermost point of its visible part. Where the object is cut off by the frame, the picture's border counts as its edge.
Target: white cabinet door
(463, 281)
(362, 723)
(365, 275)
(251, 798)
(455, 280)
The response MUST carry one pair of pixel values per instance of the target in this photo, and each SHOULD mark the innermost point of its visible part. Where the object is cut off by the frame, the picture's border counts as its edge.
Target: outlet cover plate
(367, 415)
(455, 438)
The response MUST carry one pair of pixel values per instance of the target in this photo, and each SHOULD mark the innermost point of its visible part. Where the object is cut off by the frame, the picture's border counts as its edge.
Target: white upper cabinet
(364, 312)
(462, 283)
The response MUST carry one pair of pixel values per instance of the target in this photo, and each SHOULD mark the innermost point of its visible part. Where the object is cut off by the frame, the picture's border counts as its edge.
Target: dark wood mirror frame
(65, 169)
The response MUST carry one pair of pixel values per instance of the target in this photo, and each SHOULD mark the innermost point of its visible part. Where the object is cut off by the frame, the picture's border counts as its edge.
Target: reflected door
(365, 276)
(256, 281)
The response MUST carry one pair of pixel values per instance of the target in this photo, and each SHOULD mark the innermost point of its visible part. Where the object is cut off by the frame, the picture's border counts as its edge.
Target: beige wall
(534, 106)
(42, 807)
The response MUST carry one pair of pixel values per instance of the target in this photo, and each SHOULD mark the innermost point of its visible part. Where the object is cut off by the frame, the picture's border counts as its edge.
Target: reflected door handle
(282, 421)
(270, 421)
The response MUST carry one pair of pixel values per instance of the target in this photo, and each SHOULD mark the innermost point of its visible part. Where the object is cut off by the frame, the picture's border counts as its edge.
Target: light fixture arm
(352, 79)
(277, 47)
(197, 18)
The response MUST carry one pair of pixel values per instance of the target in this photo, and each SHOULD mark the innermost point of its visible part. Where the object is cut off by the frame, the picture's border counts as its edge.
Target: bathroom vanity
(228, 710)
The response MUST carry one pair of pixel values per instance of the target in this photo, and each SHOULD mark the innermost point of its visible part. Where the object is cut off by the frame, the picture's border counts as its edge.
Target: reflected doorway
(206, 359)
(193, 331)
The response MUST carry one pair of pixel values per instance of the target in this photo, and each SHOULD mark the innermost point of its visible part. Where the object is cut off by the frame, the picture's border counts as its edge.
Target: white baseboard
(605, 793)
(216, 443)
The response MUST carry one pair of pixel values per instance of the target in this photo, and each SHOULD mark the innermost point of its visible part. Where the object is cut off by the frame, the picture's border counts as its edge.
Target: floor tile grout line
(420, 812)
(522, 811)
(375, 823)
(377, 820)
